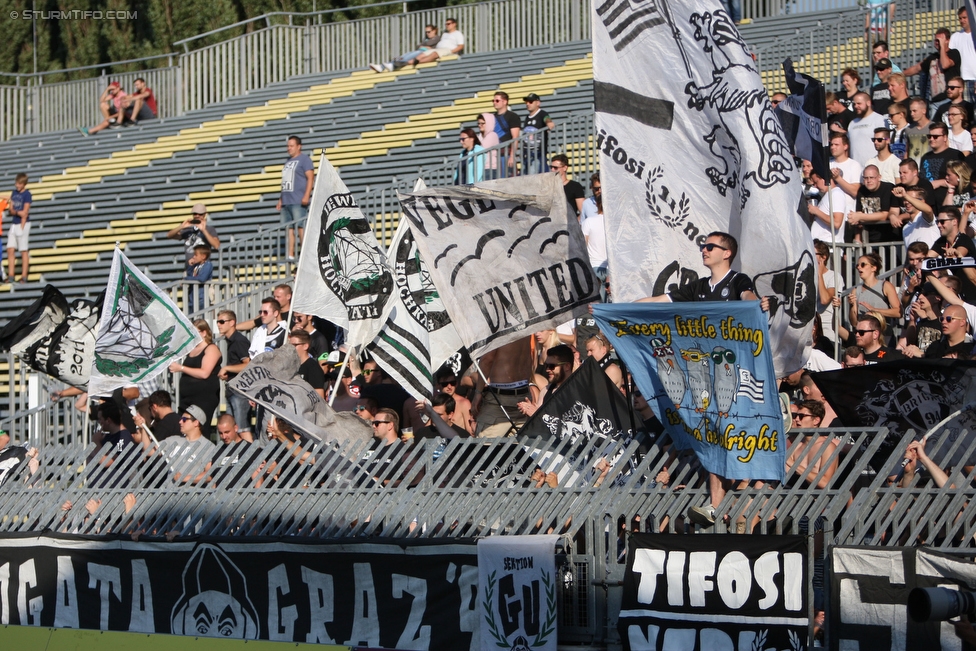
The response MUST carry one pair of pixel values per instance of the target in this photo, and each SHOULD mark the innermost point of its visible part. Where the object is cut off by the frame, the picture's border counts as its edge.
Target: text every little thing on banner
(689, 144)
(706, 371)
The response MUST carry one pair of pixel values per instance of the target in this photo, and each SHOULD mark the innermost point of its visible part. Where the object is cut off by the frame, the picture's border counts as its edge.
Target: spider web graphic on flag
(140, 333)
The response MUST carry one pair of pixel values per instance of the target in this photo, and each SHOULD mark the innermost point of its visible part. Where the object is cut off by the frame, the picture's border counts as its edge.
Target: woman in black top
(199, 384)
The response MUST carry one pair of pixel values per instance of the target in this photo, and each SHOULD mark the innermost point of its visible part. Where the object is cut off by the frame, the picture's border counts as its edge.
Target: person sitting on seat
(429, 43)
(112, 104)
(451, 42)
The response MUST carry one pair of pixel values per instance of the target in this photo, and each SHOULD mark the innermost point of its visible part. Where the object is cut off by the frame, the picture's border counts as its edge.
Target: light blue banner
(707, 372)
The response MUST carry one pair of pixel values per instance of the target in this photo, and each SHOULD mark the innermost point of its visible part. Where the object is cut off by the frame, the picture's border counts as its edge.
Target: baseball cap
(115, 84)
(531, 97)
(199, 209)
(196, 412)
(882, 64)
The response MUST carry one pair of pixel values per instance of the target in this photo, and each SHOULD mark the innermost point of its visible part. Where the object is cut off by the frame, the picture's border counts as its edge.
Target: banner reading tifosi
(372, 595)
(504, 257)
(710, 593)
(706, 370)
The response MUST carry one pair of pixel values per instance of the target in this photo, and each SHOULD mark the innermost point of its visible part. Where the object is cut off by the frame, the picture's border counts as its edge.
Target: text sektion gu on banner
(706, 371)
(505, 257)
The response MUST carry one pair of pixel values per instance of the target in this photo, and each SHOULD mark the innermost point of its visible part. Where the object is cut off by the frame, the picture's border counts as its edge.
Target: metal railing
(467, 488)
(822, 51)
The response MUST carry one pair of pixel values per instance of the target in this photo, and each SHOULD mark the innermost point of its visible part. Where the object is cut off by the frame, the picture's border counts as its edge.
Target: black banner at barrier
(714, 593)
(366, 594)
(869, 590)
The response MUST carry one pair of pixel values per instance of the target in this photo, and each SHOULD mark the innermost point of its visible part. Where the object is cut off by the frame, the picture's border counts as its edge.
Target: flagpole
(342, 369)
(301, 252)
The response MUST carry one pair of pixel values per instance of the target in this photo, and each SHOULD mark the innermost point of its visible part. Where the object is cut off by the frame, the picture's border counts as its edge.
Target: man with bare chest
(508, 370)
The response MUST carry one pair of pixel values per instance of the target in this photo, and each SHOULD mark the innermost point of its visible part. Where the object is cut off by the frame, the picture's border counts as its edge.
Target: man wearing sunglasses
(954, 243)
(954, 329)
(447, 384)
(867, 334)
(718, 253)
(559, 366)
(237, 357)
(431, 37)
(935, 163)
(187, 455)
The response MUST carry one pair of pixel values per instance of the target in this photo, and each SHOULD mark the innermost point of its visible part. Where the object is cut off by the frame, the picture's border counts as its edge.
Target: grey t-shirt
(293, 180)
(185, 456)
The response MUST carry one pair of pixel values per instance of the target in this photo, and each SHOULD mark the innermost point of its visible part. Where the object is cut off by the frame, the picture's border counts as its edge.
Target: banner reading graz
(375, 595)
(712, 593)
(504, 256)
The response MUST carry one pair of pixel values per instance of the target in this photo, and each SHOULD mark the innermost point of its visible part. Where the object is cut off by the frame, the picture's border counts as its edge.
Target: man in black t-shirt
(934, 164)
(909, 178)
(508, 126)
(955, 244)
(954, 91)
(868, 335)
(165, 422)
(880, 97)
(535, 146)
(838, 116)
(718, 253)
(575, 194)
(309, 369)
(237, 354)
(872, 208)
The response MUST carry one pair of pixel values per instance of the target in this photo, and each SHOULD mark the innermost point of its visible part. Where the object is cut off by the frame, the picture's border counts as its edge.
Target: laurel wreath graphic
(672, 212)
(544, 632)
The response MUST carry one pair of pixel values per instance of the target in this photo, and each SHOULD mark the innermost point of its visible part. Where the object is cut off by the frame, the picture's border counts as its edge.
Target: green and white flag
(140, 333)
(418, 336)
(343, 275)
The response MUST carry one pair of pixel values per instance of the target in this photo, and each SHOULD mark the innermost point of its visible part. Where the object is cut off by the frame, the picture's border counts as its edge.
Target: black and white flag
(56, 337)
(343, 275)
(418, 335)
(504, 256)
(590, 417)
(803, 115)
(689, 144)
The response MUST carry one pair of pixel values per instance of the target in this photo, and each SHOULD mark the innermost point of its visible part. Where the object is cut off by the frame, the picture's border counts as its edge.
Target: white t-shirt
(963, 42)
(596, 240)
(260, 338)
(920, 230)
(860, 131)
(450, 40)
(888, 168)
(821, 362)
(851, 169)
(963, 142)
(827, 311)
(843, 203)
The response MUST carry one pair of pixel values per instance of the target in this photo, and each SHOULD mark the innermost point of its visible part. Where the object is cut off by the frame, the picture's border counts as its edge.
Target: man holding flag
(723, 284)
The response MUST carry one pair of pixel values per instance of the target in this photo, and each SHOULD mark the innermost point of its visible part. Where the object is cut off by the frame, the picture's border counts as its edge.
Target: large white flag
(418, 336)
(504, 256)
(343, 276)
(689, 144)
(141, 331)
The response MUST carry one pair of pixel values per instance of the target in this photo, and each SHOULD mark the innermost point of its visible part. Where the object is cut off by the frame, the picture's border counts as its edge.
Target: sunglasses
(953, 87)
(448, 383)
(799, 416)
(878, 139)
(711, 247)
(861, 333)
(944, 221)
(862, 265)
(183, 419)
(368, 371)
(934, 136)
(377, 423)
(360, 408)
(265, 312)
(950, 319)
(550, 367)
(223, 321)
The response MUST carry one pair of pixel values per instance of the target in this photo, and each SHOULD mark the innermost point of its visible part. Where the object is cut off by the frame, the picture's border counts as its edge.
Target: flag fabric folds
(689, 360)
(504, 255)
(56, 337)
(911, 394)
(343, 276)
(272, 381)
(141, 331)
(418, 335)
(803, 115)
(689, 144)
